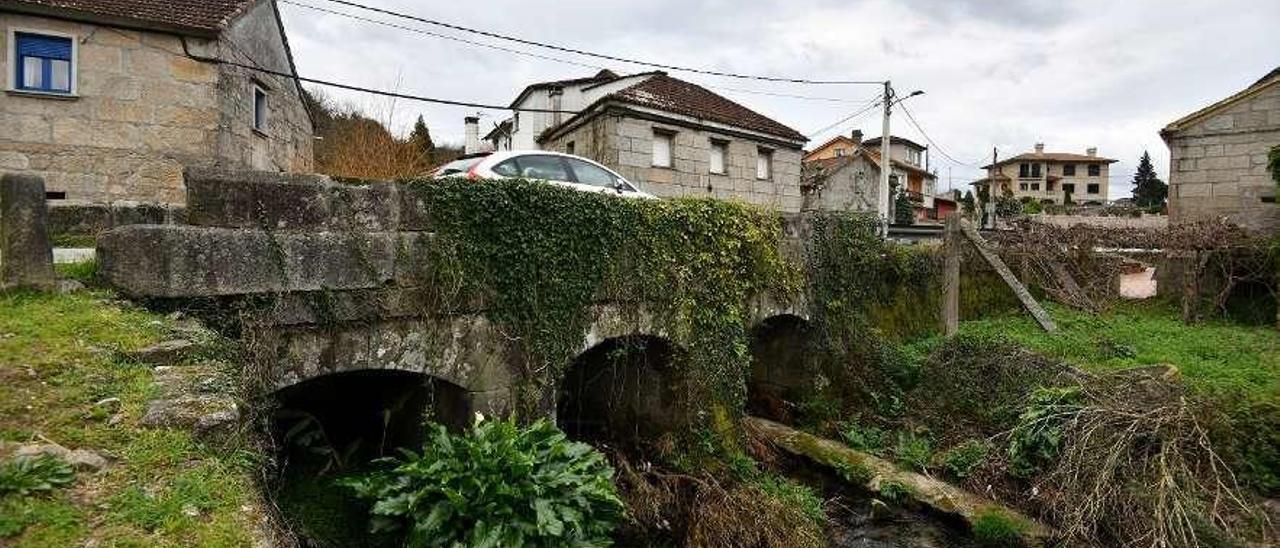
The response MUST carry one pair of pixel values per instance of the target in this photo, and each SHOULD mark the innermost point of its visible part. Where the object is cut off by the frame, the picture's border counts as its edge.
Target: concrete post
(26, 258)
(951, 276)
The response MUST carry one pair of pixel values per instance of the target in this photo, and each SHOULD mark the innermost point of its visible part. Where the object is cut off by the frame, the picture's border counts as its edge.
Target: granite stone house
(109, 100)
(669, 136)
(843, 174)
(1053, 177)
(1218, 158)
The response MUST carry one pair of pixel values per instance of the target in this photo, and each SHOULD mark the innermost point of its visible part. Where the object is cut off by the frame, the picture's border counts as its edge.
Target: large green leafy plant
(498, 484)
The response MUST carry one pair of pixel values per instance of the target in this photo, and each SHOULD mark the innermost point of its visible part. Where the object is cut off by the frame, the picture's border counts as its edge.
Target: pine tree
(969, 206)
(1148, 189)
(420, 138)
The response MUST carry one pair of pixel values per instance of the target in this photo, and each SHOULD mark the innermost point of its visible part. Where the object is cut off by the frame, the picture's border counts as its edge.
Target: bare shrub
(356, 142)
(1137, 468)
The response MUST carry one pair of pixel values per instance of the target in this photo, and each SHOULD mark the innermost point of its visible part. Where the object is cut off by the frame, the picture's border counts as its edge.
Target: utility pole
(990, 206)
(885, 164)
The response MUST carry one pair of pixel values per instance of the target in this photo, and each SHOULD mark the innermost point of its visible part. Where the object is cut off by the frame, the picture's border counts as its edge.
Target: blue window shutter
(49, 47)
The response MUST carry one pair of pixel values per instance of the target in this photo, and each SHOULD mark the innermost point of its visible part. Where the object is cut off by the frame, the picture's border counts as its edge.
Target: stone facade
(624, 143)
(142, 110)
(1218, 160)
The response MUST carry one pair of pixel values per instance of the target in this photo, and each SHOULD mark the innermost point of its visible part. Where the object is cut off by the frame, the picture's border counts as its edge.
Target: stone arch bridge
(328, 260)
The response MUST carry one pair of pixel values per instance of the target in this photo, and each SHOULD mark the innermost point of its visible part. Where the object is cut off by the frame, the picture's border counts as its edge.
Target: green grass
(1225, 359)
(59, 354)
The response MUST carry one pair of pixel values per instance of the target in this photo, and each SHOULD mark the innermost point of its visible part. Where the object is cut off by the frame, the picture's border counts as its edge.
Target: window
(720, 150)
(1022, 186)
(1092, 188)
(43, 63)
(1069, 188)
(591, 174)
(1069, 170)
(568, 147)
(1035, 186)
(764, 163)
(541, 166)
(913, 156)
(259, 108)
(1048, 186)
(662, 148)
(1035, 170)
(1024, 170)
(507, 168)
(1095, 170)
(839, 152)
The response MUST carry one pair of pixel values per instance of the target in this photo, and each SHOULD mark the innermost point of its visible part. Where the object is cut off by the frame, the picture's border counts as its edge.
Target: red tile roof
(208, 16)
(669, 94)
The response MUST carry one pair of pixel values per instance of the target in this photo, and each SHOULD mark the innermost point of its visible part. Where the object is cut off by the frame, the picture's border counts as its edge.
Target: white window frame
(722, 147)
(12, 68)
(668, 138)
(254, 89)
(764, 155)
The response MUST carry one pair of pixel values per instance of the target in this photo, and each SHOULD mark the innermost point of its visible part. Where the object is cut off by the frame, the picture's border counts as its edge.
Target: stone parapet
(26, 257)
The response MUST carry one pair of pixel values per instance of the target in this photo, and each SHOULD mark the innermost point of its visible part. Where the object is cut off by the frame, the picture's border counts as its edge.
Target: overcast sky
(1007, 74)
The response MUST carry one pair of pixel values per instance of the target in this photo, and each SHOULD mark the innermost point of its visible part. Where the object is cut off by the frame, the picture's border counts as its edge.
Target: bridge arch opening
(781, 367)
(625, 389)
(334, 425)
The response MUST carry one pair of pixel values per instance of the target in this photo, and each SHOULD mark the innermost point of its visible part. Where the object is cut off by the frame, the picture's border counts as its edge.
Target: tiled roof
(1054, 157)
(669, 94)
(201, 15)
(871, 155)
(874, 142)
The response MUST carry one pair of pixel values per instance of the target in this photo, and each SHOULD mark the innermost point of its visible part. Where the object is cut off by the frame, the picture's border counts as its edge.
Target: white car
(565, 170)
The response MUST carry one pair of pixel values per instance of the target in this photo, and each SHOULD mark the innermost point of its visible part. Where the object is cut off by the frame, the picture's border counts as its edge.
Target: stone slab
(173, 261)
(26, 255)
(275, 201)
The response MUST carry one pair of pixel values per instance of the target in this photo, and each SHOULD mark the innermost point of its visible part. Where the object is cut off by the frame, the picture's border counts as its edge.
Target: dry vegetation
(356, 142)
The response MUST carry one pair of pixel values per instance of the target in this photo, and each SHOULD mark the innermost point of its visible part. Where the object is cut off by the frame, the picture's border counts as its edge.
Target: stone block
(466, 351)
(267, 200)
(26, 256)
(174, 261)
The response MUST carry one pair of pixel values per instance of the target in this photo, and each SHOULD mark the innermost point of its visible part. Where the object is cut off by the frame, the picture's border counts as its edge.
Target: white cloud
(1006, 74)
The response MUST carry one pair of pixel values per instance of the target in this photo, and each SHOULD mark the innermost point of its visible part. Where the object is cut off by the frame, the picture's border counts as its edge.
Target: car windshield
(461, 165)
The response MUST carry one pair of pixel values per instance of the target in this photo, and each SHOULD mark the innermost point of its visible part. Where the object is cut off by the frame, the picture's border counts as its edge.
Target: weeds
(871, 439)
(27, 475)
(913, 451)
(996, 528)
(962, 460)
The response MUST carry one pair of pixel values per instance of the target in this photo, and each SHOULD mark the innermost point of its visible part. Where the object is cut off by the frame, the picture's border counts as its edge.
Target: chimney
(1091, 151)
(856, 135)
(1039, 148)
(472, 124)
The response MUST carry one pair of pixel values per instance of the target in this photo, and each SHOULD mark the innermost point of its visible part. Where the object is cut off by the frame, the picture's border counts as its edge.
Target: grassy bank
(59, 356)
(1222, 358)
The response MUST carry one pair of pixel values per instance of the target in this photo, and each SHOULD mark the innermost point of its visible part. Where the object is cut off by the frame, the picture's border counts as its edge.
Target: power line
(368, 90)
(547, 57)
(855, 114)
(935, 144)
(439, 35)
(599, 55)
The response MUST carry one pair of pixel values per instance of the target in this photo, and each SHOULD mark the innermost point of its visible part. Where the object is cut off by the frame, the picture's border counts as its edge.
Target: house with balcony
(669, 136)
(1051, 177)
(843, 174)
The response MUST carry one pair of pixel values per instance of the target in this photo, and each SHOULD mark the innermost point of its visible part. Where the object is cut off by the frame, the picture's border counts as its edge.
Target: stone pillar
(26, 258)
(951, 276)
